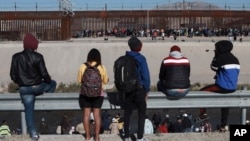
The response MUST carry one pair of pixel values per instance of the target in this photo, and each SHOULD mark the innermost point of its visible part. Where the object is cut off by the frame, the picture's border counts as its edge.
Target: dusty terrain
(153, 137)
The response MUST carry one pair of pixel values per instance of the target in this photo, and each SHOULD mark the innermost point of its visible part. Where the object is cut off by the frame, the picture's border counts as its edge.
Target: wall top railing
(156, 100)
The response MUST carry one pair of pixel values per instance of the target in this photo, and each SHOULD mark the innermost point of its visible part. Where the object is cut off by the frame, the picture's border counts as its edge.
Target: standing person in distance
(89, 104)
(174, 75)
(28, 70)
(139, 96)
(227, 68)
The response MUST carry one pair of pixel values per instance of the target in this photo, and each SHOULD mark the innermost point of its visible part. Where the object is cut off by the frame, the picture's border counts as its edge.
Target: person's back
(89, 104)
(80, 128)
(44, 127)
(4, 129)
(174, 75)
(139, 96)
(29, 72)
(207, 126)
(23, 71)
(186, 123)
(169, 122)
(162, 128)
(156, 120)
(65, 126)
(114, 127)
(176, 126)
(227, 68)
(105, 124)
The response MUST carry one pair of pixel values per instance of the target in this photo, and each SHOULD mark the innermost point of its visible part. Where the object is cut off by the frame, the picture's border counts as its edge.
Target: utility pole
(67, 9)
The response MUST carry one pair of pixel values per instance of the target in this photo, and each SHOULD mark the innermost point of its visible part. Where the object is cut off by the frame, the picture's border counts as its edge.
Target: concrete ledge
(213, 136)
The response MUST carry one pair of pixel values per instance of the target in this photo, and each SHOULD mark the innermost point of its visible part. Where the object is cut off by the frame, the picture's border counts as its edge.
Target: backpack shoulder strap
(87, 64)
(96, 65)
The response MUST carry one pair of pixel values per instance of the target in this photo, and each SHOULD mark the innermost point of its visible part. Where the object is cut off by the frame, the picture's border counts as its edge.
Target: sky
(32, 5)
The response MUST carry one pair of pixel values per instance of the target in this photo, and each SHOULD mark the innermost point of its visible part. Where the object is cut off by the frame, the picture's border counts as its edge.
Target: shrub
(13, 88)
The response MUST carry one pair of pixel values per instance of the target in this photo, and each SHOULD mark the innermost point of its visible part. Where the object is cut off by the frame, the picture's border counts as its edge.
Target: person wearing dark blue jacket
(137, 98)
(227, 68)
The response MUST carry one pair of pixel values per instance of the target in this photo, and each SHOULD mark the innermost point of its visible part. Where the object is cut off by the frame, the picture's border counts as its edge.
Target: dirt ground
(153, 137)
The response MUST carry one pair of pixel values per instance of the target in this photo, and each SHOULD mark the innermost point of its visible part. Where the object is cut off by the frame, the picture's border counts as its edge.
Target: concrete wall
(63, 58)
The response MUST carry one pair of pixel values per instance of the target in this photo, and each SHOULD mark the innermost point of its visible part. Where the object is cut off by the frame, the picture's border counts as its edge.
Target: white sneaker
(143, 139)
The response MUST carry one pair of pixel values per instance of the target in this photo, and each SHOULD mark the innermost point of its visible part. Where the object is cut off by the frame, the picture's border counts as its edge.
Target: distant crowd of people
(162, 33)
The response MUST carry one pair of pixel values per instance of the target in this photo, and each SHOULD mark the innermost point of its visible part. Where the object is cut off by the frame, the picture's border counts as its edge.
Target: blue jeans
(28, 96)
(173, 94)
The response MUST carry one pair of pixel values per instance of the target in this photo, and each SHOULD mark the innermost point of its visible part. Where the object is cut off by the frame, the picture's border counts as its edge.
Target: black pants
(224, 111)
(132, 100)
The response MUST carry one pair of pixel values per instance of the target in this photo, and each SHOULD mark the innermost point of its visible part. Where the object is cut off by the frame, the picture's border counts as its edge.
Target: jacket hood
(175, 54)
(30, 42)
(223, 46)
(132, 53)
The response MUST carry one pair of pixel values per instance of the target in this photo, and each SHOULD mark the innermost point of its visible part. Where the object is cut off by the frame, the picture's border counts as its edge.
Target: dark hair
(4, 121)
(134, 44)
(94, 55)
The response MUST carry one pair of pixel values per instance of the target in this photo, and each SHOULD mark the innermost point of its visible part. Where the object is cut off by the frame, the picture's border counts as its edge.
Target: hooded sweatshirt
(175, 71)
(142, 69)
(226, 65)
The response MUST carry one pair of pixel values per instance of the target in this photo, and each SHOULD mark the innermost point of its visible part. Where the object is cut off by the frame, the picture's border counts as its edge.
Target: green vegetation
(75, 87)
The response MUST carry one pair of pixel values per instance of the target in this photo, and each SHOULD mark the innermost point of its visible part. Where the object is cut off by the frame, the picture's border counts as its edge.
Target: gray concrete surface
(63, 58)
(153, 137)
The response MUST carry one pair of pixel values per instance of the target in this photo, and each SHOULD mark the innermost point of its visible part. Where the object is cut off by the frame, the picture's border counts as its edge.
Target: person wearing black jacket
(28, 70)
(174, 75)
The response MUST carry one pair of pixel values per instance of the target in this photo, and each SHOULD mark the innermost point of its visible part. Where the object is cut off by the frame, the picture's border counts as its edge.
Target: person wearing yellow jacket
(92, 104)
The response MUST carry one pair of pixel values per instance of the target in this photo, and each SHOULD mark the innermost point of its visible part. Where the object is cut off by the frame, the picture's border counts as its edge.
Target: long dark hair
(94, 55)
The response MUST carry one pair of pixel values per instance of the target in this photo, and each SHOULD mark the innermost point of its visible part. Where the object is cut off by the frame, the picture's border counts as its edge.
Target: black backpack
(125, 74)
(91, 82)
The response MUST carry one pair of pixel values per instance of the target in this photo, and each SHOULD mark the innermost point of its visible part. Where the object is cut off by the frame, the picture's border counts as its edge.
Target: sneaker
(227, 128)
(143, 139)
(224, 129)
(35, 138)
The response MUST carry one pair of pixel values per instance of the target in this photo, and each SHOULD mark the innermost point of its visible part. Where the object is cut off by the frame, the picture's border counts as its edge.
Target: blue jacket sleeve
(145, 75)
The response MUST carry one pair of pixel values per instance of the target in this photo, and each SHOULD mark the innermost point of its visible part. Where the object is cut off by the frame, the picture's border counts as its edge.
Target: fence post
(243, 111)
(23, 123)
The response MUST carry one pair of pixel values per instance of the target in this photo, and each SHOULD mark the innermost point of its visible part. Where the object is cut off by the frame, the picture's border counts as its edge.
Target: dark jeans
(132, 100)
(224, 111)
(28, 96)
